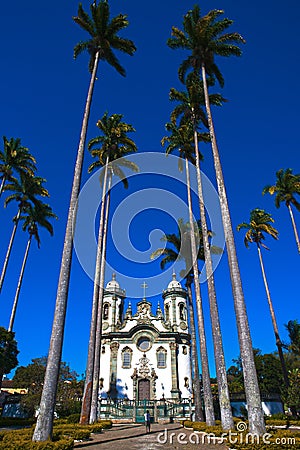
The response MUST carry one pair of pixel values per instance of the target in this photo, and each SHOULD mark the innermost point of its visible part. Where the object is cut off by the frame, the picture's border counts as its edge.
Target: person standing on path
(147, 421)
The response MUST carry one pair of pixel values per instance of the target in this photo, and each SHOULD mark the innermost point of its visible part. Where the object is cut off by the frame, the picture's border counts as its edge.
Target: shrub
(217, 430)
(22, 440)
(16, 422)
(95, 428)
(22, 444)
(105, 424)
(76, 432)
(187, 423)
(280, 416)
(73, 418)
(16, 435)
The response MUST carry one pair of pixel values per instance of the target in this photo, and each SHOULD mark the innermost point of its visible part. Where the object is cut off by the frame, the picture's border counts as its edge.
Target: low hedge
(16, 422)
(76, 433)
(22, 444)
(202, 426)
(22, 440)
(63, 436)
(105, 424)
(73, 418)
(282, 422)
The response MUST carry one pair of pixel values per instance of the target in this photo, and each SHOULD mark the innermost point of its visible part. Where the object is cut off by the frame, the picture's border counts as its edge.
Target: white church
(145, 355)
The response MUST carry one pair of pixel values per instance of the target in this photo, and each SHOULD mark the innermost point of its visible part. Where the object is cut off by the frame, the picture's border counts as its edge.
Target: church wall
(104, 368)
(163, 382)
(184, 371)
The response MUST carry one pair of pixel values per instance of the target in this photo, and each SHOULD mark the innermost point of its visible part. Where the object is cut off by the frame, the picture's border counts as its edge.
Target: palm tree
(204, 37)
(36, 215)
(260, 223)
(286, 186)
(103, 33)
(180, 249)
(114, 144)
(190, 110)
(88, 385)
(25, 192)
(14, 157)
(181, 139)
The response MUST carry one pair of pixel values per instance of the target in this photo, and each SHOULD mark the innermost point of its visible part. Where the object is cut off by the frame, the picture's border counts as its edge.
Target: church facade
(145, 355)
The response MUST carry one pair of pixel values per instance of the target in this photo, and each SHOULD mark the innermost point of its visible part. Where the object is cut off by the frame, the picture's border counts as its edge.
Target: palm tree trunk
(223, 391)
(196, 378)
(2, 185)
(96, 371)
(294, 226)
(274, 321)
(208, 400)
(12, 237)
(255, 412)
(44, 425)
(87, 394)
(17, 294)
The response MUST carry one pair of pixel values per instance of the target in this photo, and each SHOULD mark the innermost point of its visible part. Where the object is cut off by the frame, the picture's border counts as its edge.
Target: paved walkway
(134, 437)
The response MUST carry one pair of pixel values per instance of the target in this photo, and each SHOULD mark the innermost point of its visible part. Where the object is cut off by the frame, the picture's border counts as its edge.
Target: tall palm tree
(25, 192)
(190, 110)
(14, 158)
(108, 149)
(103, 38)
(204, 37)
(181, 139)
(88, 385)
(179, 248)
(260, 223)
(286, 186)
(93, 413)
(36, 215)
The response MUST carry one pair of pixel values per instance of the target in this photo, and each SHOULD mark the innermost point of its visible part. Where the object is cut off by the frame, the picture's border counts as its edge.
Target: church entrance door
(144, 389)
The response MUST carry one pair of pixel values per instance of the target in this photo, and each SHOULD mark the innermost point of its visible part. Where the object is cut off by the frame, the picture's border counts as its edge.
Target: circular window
(144, 344)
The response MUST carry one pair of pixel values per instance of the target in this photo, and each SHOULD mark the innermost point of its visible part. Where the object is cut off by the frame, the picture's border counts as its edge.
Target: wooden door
(144, 390)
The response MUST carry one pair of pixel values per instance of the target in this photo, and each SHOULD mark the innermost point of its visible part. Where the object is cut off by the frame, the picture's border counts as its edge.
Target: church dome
(113, 285)
(174, 284)
(174, 287)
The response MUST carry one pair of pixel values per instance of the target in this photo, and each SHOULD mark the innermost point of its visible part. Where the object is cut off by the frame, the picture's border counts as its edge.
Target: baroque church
(145, 355)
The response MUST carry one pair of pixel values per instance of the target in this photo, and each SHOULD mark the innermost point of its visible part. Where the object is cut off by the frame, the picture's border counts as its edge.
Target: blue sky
(43, 92)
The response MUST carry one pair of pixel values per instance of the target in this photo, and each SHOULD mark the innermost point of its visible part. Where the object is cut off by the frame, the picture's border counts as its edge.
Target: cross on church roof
(144, 286)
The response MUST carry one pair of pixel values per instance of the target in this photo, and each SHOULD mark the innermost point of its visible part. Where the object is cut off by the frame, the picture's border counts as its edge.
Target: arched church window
(105, 311)
(126, 358)
(181, 311)
(184, 350)
(161, 356)
(167, 313)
